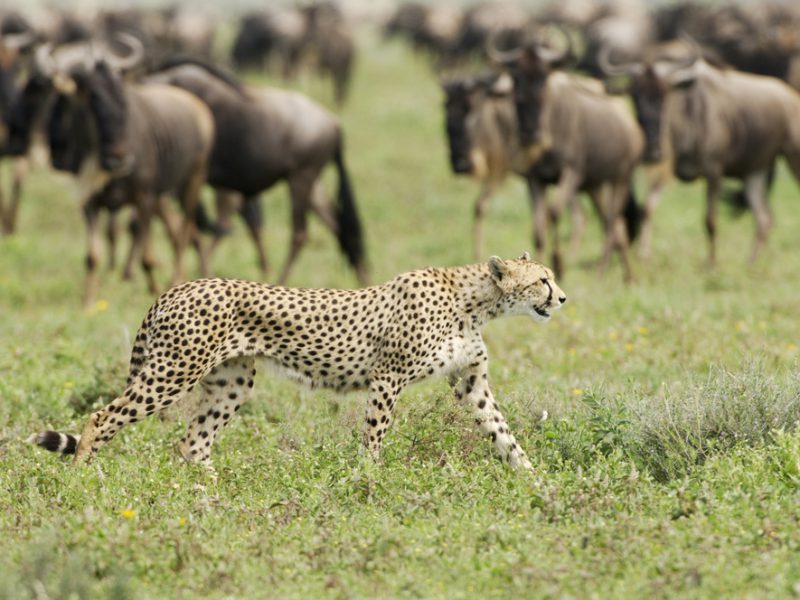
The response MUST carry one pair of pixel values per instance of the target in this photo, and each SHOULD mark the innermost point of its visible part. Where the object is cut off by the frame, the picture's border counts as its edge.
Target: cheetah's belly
(455, 354)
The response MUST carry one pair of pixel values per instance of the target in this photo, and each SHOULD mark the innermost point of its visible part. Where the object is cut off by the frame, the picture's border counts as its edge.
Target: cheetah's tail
(63, 443)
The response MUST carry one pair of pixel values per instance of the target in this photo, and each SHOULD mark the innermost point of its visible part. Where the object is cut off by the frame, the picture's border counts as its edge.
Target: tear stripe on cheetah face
(379, 338)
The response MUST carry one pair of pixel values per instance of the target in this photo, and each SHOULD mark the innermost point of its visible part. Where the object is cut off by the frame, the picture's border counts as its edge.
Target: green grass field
(668, 465)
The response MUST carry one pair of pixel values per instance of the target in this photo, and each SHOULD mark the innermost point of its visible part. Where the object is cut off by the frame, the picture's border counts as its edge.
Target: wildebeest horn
(550, 55)
(44, 61)
(697, 51)
(610, 69)
(17, 41)
(680, 70)
(500, 57)
(134, 56)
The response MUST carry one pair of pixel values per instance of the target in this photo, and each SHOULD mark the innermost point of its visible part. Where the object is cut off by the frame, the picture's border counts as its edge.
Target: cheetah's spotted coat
(379, 338)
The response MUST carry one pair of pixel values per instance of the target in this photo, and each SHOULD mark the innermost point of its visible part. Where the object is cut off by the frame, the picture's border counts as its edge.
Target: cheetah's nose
(562, 299)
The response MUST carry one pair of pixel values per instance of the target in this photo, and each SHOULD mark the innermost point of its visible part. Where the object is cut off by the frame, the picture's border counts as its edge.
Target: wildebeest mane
(212, 69)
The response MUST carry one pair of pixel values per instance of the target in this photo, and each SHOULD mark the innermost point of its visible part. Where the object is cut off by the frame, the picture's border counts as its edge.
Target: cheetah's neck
(477, 292)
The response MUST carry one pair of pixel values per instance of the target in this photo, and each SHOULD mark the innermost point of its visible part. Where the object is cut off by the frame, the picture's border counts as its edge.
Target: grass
(668, 464)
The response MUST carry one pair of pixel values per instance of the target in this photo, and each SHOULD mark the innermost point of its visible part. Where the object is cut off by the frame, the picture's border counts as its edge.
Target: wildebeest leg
(226, 203)
(3, 216)
(538, 203)
(252, 213)
(619, 232)
(478, 242)
(756, 189)
(143, 239)
(566, 190)
(472, 388)
(91, 213)
(300, 185)
(657, 178)
(20, 169)
(111, 238)
(712, 195)
(609, 199)
(189, 200)
(171, 222)
(135, 247)
(577, 225)
(322, 207)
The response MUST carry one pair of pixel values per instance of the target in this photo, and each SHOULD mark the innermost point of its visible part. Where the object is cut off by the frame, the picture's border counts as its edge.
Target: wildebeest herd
(142, 104)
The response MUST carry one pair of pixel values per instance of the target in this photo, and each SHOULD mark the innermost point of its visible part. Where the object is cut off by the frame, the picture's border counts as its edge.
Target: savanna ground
(668, 464)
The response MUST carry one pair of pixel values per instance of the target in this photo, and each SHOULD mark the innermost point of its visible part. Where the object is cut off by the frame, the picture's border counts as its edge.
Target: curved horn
(549, 55)
(135, 52)
(676, 70)
(692, 43)
(500, 57)
(44, 61)
(610, 69)
(18, 41)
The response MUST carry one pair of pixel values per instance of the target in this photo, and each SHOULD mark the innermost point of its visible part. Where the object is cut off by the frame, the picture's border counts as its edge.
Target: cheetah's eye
(543, 280)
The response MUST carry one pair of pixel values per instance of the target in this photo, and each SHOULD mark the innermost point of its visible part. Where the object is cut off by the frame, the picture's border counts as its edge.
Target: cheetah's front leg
(473, 388)
(383, 392)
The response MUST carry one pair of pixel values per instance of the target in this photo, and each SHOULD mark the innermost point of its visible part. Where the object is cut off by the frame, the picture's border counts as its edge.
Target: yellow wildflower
(128, 513)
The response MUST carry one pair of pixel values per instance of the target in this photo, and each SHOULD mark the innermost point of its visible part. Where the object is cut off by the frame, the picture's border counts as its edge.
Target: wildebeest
(12, 47)
(266, 135)
(292, 37)
(718, 123)
(571, 130)
(481, 127)
(128, 143)
(758, 38)
(431, 28)
(331, 40)
(481, 133)
(277, 34)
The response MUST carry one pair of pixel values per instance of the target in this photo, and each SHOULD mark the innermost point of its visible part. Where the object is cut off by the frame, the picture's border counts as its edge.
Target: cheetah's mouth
(541, 312)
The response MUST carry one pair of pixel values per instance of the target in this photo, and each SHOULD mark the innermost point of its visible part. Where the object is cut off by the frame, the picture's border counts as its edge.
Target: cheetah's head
(528, 287)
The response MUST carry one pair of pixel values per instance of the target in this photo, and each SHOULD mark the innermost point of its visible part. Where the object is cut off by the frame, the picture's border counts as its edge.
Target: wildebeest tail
(633, 214)
(63, 443)
(351, 238)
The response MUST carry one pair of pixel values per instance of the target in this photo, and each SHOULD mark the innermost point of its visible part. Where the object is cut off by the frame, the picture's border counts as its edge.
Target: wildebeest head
(12, 45)
(530, 65)
(650, 80)
(89, 115)
(459, 98)
(463, 96)
(89, 112)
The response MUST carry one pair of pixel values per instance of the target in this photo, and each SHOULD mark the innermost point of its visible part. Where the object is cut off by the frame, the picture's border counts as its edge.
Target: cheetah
(380, 339)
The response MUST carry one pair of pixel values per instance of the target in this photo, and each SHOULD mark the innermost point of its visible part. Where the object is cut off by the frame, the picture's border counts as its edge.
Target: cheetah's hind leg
(222, 393)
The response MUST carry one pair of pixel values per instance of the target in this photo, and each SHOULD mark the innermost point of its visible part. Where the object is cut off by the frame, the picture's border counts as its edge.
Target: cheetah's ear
(525, 256)
(498, 268)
